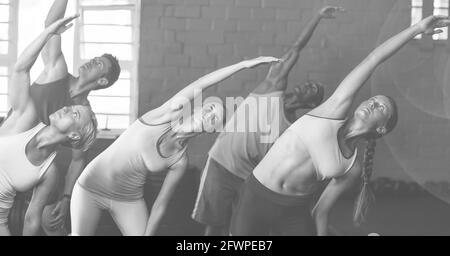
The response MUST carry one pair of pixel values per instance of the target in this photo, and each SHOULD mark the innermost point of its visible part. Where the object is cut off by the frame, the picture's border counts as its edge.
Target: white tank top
(319, 135)
(17, 173)
(120, 171)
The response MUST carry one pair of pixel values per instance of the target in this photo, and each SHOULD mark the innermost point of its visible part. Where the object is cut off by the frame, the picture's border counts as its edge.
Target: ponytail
(366, 196)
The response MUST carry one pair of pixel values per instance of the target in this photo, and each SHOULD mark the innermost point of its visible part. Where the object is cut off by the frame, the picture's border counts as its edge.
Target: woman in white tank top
(26, 147)
(322, 145)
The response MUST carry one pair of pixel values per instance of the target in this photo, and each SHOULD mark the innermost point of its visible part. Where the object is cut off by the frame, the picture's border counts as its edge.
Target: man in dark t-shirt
(54, 89)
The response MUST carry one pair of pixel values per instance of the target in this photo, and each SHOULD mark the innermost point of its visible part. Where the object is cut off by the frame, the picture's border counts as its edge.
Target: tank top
(319, 136)
(17, 173)
(120, 171)
(241, 150)
(51, 97)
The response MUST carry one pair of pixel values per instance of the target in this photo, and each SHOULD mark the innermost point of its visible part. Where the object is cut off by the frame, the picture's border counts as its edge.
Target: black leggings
(262, 212)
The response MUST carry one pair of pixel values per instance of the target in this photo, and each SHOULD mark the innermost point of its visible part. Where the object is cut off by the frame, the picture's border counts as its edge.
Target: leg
(130, 217)
(247, 221)
(217, 191)
(85, 211)
(4, 231)
(252, 216)
(215, 230)
(297, 222)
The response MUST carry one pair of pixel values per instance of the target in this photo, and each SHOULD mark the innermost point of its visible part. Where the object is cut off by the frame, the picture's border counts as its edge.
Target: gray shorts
(218, 192)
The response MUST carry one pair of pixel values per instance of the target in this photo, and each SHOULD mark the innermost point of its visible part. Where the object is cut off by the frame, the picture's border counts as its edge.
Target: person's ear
(102, 82)
(74, 137)
(381, 130)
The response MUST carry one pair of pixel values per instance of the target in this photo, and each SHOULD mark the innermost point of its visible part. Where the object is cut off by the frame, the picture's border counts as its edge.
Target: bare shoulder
(155, 116)
(331, 108)
(18, 122)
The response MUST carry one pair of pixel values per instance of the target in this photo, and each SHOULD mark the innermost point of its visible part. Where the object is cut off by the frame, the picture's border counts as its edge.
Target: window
(440, 7)
(8, 50)
(111, 26)
(416, 13)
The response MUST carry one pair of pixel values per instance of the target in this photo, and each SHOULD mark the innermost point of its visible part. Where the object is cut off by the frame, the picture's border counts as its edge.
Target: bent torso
(288, 168)
(304, 156)
(120, 171)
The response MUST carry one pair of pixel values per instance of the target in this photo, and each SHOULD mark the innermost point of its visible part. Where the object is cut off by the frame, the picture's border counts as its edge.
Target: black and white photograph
(238, 119)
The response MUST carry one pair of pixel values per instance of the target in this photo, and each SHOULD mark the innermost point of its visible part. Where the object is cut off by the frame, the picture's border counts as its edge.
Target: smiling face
(375, 114)
(212, 116)
(95, 71)
(206, 119)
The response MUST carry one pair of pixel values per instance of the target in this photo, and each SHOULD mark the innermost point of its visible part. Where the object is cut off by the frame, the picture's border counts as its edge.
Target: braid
(368, 160)
(366, 195)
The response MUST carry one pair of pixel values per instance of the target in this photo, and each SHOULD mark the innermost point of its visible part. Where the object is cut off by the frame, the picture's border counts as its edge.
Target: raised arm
(18, 88)
(52, 55)
(160, 205)
(277, 77)
(193, 90)
(339, 103)
(330, 195)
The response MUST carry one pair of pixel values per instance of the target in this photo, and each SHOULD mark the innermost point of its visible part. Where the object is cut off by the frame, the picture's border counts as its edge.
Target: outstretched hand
(431, 24)
(329, 12)
(260, 60)
(62, 25)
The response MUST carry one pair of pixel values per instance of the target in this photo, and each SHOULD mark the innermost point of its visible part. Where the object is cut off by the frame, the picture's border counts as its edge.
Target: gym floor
(389, 215)
(423, 215)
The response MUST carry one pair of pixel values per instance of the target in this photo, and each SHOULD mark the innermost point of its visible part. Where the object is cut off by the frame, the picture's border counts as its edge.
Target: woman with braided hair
(322, 145)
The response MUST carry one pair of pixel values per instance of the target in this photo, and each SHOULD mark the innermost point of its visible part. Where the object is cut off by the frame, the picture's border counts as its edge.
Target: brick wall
(182, 40)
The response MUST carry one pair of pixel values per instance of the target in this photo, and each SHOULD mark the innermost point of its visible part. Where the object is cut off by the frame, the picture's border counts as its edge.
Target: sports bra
(319, 135)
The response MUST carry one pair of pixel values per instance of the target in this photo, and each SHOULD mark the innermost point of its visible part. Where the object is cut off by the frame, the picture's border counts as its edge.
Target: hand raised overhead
(260, 60)
(431, 24)
(329, 12)
(62, 25)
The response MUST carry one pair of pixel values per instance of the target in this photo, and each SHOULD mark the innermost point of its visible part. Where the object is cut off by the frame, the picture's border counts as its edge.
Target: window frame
(415, 7)
(8, 60)
(428, 6)
(131, 66)
(448, 12)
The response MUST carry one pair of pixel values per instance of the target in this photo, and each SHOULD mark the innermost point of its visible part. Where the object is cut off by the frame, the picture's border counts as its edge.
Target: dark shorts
(217, 194)
(262, 212)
